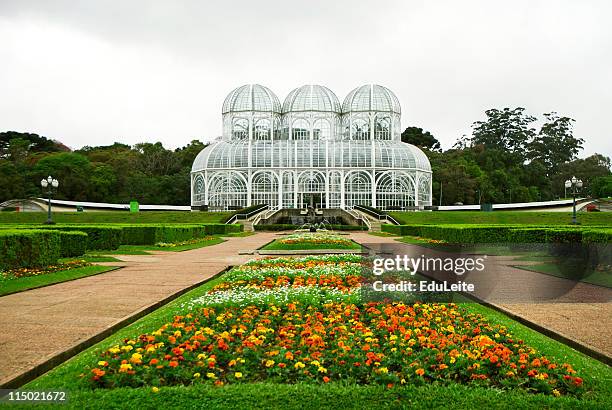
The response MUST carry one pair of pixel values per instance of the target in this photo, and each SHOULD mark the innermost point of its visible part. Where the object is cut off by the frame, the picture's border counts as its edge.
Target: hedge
(28, 248)
(458, 233)
(152, 234)
(98, 237)
(72, 243)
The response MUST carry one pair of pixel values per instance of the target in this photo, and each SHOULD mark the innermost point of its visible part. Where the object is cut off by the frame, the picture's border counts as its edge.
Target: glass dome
(251, 97)
(311, 98)
(371, 97)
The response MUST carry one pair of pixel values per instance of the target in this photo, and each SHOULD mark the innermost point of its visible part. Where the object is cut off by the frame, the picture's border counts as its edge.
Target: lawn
(31, 282)
(312, 241)
(549, 267)
(311, 390)
(502, 217)
(116, 217)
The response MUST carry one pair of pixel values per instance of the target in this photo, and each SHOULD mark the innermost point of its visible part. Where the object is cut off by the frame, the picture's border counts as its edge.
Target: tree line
(505, 159)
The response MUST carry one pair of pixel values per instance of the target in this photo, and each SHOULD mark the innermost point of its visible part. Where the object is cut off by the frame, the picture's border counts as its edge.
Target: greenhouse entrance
(311, 199)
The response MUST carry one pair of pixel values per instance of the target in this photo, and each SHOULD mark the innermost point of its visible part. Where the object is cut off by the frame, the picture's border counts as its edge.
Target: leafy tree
(422, 139)
(555, 144)
(507, 131)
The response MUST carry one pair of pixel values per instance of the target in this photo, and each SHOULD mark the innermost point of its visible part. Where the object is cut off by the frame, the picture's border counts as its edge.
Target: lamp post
(575, 184)
(49, 183)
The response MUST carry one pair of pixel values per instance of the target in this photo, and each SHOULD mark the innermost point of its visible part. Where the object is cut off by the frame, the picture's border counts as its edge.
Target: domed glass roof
(371, 97)
(340, 153)
(251, 97)
(312, 98)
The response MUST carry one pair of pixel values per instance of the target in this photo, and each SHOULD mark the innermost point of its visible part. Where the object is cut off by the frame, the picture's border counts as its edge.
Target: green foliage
(501, 217)
(73, 243)
(28, 248)
(422, 139)
(601, 187)
(152, 234)
(118, 173)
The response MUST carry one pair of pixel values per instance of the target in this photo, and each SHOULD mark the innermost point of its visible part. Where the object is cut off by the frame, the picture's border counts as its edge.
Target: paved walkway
(578, 311)
(40, 324)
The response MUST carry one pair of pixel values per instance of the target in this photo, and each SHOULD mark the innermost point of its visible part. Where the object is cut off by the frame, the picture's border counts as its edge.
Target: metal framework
(311, 151)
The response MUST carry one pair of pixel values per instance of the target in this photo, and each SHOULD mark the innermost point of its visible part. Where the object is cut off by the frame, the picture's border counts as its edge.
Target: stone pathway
(581, 312)
(41, 324)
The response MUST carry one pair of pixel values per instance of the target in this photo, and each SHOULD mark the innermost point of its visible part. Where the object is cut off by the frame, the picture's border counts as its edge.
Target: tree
(422, 139)
(507, 131)
(72, 170)
(555, 144)
(587, 169)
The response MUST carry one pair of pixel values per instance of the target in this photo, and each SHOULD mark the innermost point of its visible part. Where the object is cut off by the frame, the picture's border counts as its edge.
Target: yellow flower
(315, 363)
(125, 367)
(556, 393)
(384, 370)
(102, 363)
(269, 363)
(238, 375)
(155, 389)
(126, 348)
(196, 375)
(322, 369)
(211, 375)
(299, 365)
(114, 350)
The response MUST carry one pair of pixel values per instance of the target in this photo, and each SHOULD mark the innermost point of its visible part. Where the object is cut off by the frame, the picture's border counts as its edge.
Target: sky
(96, 72)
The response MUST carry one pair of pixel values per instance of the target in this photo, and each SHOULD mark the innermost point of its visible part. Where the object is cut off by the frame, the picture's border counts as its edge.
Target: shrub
(275, 227)
(72, 243)
(28, 248)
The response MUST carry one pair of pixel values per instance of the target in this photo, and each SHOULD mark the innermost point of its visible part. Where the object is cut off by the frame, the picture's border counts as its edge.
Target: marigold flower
(420, 372)
(238, 375)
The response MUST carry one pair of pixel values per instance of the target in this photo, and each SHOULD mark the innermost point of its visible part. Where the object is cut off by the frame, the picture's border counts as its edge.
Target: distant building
(312, 150)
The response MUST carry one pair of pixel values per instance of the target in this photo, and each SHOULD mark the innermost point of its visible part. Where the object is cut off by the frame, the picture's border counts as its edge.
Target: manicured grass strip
(32, 282)
(311, 396)
(594, 277)
(114, 217)
(501, 217)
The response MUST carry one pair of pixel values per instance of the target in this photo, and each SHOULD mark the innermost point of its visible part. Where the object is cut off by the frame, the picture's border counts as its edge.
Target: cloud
(90, 73)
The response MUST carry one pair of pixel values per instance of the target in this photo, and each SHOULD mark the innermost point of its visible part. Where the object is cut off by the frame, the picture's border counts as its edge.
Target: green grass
(278, 246)
(31, 282)
(67, 376)
(114, 217)
(502, 217)
(598, 278)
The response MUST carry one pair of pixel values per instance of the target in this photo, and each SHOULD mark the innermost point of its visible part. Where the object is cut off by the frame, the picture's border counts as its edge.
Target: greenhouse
(311, 151)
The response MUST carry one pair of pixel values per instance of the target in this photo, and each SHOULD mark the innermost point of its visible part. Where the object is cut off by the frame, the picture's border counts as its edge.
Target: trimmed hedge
(72, 243)
(98, 237)
(28, 248)
(291, 227)
(152, 234)
(458, 233)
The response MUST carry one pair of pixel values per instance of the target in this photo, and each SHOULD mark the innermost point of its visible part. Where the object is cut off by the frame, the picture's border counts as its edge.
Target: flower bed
(183, 243)
(312, 240)
(267, 323)
(27, 272)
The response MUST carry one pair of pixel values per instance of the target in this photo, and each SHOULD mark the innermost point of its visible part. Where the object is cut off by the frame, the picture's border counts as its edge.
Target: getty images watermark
(436, 274)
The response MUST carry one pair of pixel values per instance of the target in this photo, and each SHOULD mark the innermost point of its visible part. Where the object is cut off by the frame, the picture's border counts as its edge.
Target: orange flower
(326, 379)
(173, 363)
(420, 371)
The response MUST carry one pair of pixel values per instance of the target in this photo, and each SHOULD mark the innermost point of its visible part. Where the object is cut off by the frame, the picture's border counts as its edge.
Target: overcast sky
(95, 72)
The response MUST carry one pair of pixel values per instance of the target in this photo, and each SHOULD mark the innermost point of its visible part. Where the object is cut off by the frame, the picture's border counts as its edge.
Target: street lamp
(575, 184)
(50, 183)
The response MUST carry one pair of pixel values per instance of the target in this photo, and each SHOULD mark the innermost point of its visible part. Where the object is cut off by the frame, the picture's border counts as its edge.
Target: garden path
(580, 312)
(43, 327)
